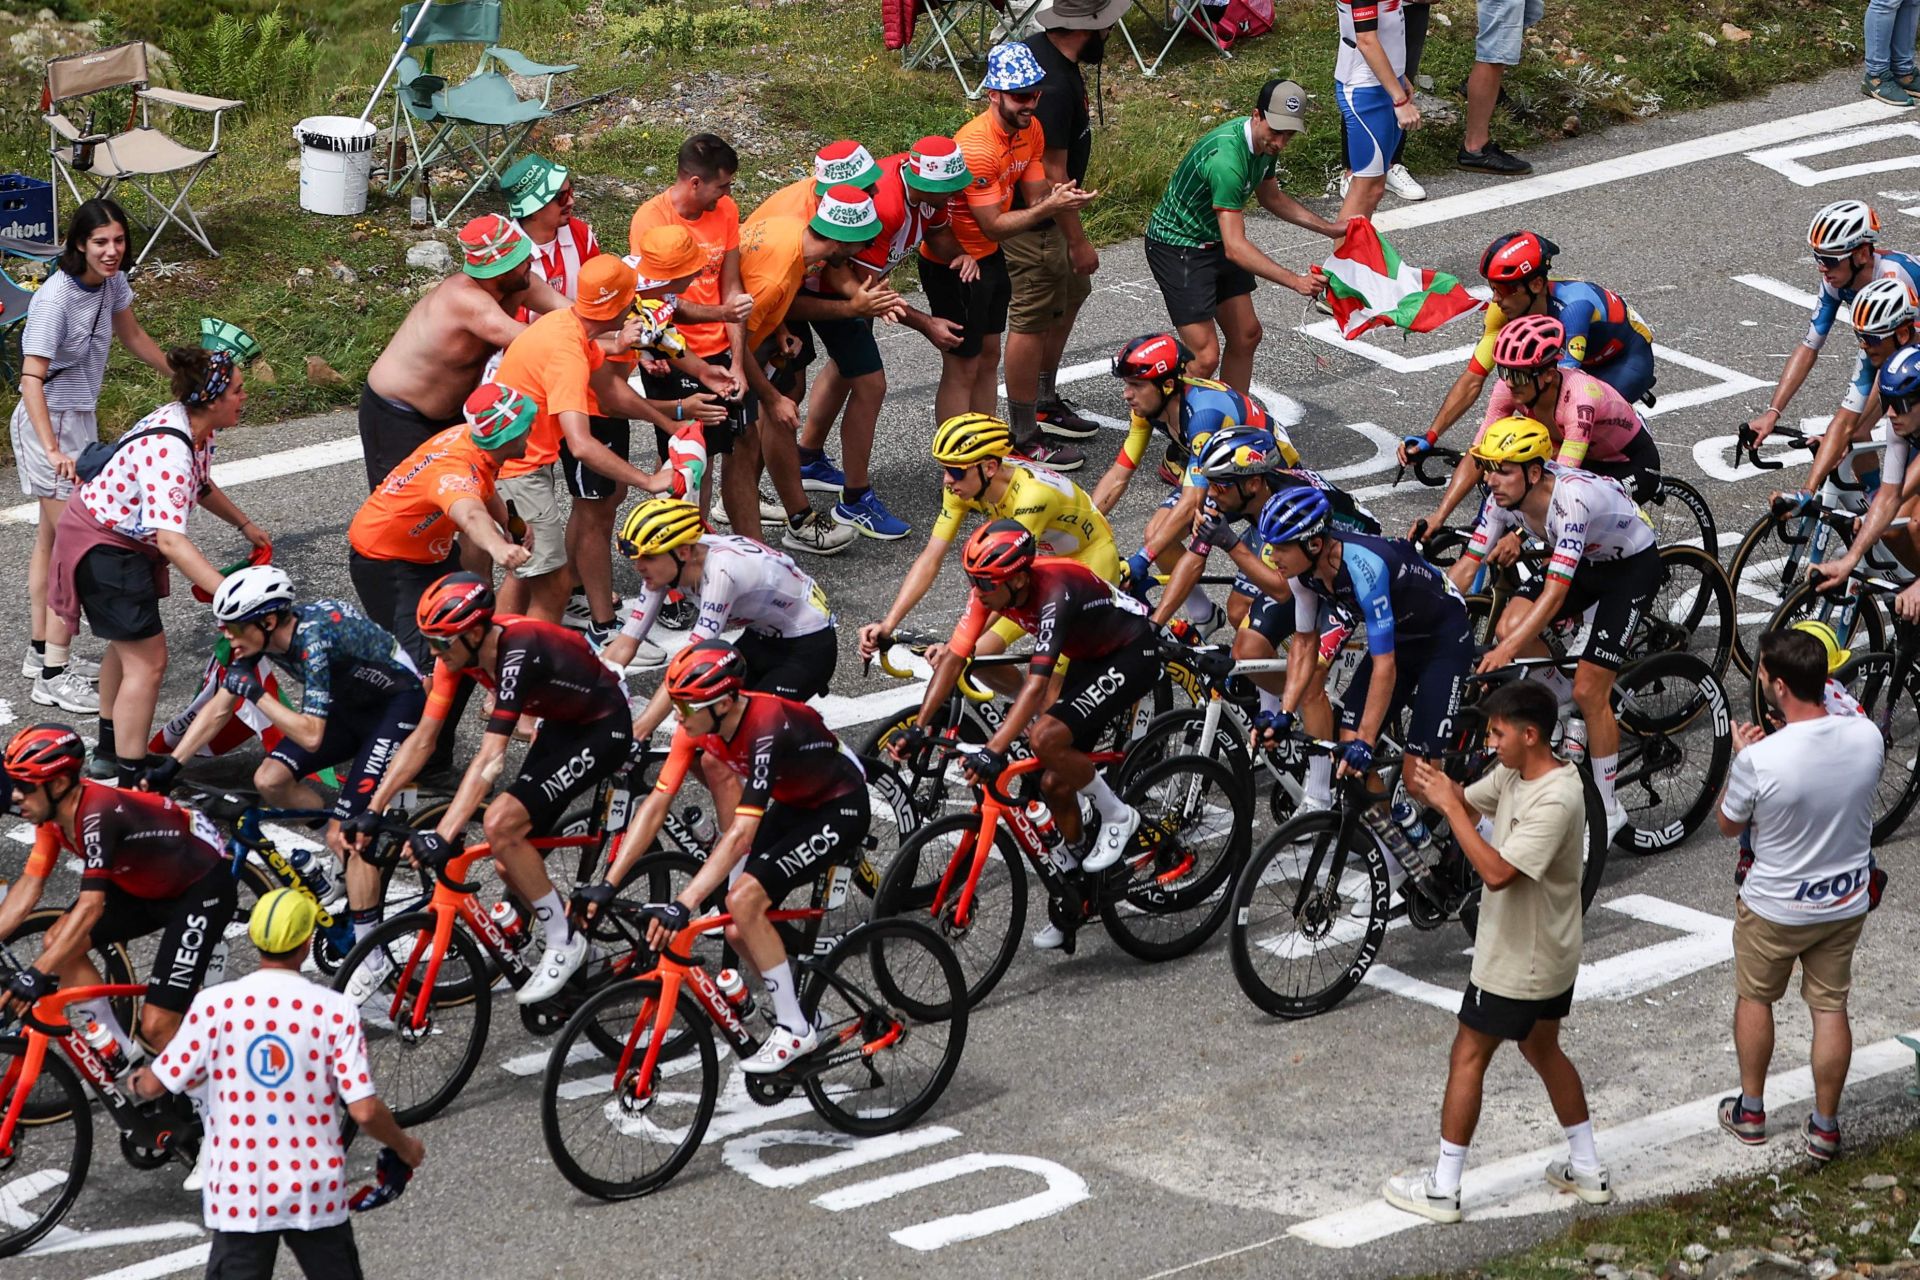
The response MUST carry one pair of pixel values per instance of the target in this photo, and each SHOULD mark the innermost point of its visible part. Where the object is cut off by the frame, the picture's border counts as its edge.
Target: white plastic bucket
(336, 155)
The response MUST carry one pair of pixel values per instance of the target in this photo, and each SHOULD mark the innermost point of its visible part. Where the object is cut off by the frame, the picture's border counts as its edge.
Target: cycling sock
(1320, 780)
(1828, 1123)
(786, 1001)
(1751, 1105)
(850, 495)
(104, 747)
(1112, 808)
(1557, 680)
(810, 456)
(551, 912)
(1049, 393)
(364, 918)
(1198, 607)
(1270, 701)
(1020, 416)
(100, 1009)
(1448, 1168)
(1605, 769)
(1580, 1149)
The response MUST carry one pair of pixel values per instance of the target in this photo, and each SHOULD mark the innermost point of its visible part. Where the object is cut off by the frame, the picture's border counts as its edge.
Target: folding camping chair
(961, 31)
(1175, 16)
(137, 155)
(482, 119)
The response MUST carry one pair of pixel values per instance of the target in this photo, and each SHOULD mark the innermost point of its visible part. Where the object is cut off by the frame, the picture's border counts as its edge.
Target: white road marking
(1064, 1189)
(1788, 293)
(1785, 161)
(167, 1264)
(68, 1240)
(1710, 455)
(268, 466)
(1730, 382)
(742, 1155)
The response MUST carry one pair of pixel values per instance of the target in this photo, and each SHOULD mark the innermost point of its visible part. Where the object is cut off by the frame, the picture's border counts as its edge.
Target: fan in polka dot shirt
(152, 484)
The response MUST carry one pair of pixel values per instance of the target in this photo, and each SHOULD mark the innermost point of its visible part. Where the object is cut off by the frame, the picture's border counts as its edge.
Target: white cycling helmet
(1883, 306)
(250, 592)
(1842, 227)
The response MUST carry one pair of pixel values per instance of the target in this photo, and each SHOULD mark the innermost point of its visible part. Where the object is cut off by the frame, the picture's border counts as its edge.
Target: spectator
(1197, 244)
(1496, 46)
(540, 199)
(1806, 895)
(1400, 182)
(1376, 99)
(1526, 951)
(316, 1059)
(1891, 76)
(71, 322)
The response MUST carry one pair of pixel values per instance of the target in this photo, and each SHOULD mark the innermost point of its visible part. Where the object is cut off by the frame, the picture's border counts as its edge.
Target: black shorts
(793, 845)
(979, 308)
(1619, 592)
(1194, 282)
(249, 1255)
(1270, 619)
(565, 761)
(1497, 1016)
(390, 431)
(849, 343)
(1642, 456)
(675, 385)
(1428, 681)
(368, 735)
(800, 668)
(117, 592)
(582, 480)
(1097, 691)
(190, 927)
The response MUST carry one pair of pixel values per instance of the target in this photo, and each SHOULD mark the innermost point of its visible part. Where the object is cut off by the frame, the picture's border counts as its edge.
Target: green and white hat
(936, 164)
(844, 161)
(846, 214)
(224, 335)
(531, 184)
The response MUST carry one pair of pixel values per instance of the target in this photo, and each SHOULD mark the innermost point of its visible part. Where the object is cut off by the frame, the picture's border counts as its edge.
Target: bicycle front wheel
(42, 1175)
(1198, 820)
(986, 938)
(422, 1043)
(1180, 733)
(1676, 743)
(1692, 612)
(1681, 516)
(1766, 565)
(1895, 711)
(1309, 916)
(110, 960)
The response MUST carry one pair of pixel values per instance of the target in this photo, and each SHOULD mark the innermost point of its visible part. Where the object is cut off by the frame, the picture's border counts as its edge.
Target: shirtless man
(435, 360)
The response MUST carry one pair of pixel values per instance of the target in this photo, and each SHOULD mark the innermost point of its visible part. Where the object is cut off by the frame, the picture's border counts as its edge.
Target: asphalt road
(1133, 1121)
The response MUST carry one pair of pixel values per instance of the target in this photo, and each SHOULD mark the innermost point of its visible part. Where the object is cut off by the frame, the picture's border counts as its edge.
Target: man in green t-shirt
(1197, 242)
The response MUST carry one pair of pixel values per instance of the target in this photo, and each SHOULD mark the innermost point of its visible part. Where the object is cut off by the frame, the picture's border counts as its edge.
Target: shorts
(250, 1255)
(1619, 592)
(190, 927)
(390, 430)
(1270, 619)
(1430, 678)
(796, 668)
(368, 735)
(535, 498)
(1194, 282)
(793, 845)
(1764, 955)
(567, 760)
(980, 308)
(1630, 372)
(1097, 691)
(73, 430)
(582, 480)
(1502, 29)
(1508, 1019)
(1642, 457)
(849, 343)
(117, 592)
(1372, 131)
(1045, 286)
(675, 385)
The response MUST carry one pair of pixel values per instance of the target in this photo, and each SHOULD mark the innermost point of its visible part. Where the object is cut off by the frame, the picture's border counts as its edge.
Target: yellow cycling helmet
(281, 921)
(1514, 440)
(967, 438)
(657, 526)
(1837, 654)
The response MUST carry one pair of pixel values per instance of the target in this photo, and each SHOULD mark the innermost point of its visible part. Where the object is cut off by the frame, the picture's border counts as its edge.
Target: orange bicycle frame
(20, 1078)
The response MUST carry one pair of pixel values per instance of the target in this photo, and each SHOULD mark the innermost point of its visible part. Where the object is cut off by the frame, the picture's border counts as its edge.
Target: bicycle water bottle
(1051, 840)
(734, 988)
(1411, 860)
(113, 1059)
(311, 866)
(1573, 741)
(507, 920)
(701, 824)
(1410, 822)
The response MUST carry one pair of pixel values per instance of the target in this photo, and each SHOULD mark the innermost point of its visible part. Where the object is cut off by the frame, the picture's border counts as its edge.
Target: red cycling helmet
(703, 672)
(454, 605)
(42, 752)
(997, 551)
(1154, 356)
(1517, 257)
(1530, 342)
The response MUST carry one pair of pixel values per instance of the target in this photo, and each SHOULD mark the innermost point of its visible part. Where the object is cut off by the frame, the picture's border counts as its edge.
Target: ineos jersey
(782, 751)
(142, 844)
(744, 584)
(1070, 611)
(542, 669)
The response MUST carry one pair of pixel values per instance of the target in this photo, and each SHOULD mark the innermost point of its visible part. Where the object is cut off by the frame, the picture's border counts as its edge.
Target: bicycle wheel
(612, 1132)
(1676, 743)
(1309, 916)
(42, 1175)
(1692, 612)
(1895, 710)
(1681, 517)
(420, 1068)
(1771, 561)
(1179, 733)
(657, 877)
(986, 940)
(1857, 619)
(932, 780)
(111, 961)
(896, 815)
(890, 1003)
(1177, 894)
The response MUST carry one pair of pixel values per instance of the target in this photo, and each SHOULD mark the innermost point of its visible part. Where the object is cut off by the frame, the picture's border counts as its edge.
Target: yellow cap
(281, 921)
(1837, 653)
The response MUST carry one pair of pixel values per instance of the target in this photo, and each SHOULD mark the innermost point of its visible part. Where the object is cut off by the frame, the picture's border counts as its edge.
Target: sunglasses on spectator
(1024, 98)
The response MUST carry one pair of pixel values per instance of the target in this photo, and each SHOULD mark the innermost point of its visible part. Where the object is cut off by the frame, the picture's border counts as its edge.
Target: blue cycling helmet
(1900, 375)
(1236, 452)
(1294, 515)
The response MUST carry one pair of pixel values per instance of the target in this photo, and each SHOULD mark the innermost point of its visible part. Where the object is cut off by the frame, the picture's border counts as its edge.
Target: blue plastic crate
(26, 207)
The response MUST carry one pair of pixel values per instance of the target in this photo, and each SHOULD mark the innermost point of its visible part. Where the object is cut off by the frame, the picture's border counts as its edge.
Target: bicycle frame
(46, 1023)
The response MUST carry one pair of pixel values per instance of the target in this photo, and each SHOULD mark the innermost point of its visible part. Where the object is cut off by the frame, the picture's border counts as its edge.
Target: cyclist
(532, 668)
(361, 696)
(802, 807)
(973, 449)
(1603, 559)
(1884, 314)
(1899, 390)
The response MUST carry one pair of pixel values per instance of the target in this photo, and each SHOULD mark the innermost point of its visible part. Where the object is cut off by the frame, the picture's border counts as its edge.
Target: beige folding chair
(140, 154)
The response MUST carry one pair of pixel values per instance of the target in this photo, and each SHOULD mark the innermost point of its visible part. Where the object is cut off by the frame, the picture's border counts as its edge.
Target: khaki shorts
(1764, 954)
(1045, 285)
(536, 498)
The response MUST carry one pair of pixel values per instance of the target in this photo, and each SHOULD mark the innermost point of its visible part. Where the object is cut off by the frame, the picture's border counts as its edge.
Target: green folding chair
(480, 121)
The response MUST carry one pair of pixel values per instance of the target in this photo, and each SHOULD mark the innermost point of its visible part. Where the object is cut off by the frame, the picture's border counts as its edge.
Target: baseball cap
(531, 184)
(846, 214)
(843, 161)
(281, 921)
(1283, 104)
(936, 164)
(607, 286)
(497, 416)
(667, 254)
(493, 246)
(1012, 68)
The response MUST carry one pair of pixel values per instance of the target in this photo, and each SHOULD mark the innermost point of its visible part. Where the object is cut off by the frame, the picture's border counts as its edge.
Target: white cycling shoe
(369, 977)
(1114, 839)
(1617, 821)
(1049, 939)
(781, 1049)
(557, 964)
(197, 1176)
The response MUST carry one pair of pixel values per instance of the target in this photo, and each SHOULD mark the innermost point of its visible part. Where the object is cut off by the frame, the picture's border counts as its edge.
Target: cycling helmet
(1154, 356)
(252, 592)
(1237, 452)
(967, 438)
(1837, 653)
(1883, 306)
(703, 672)
(1514, 440)
(1900, 375)
(1842, 227)
(1517, 257)
(1530, 342)
(997, 551)
(657, 526)
(42, 752)
(1294, 515)
(454, 605)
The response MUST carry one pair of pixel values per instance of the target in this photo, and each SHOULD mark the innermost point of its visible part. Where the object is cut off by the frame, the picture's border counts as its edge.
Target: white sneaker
(771, 508)
(197, 1176)
(1617, 821)
(557, 965)
(1049, 939)
(1402, 184)
(1594, 1188)
(30, 666)
(369, 977)
(648, 657)
(1346, 180)
(780, 1049)
(1414, 1193)
(1113, 841)
(68, 691)
(578, 613)
(817, 536)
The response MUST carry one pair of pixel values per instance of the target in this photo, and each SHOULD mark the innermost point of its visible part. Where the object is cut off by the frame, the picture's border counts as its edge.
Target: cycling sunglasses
(957, 473)
(1514, 377)
(1903, 404)
(1831, 261)
(1488, 467)
(986, 584)
(686, 709)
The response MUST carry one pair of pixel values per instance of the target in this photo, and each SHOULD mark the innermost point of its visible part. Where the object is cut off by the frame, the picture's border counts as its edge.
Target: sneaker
(1113, 841)
(648, 657)
(1414, 1193)
(870, 516)
(1594, 1188)
(102, 768)
(578, 613)
(1748, 1126)
(821, 476)
(1054, 457)
(1050, 938)
(771, 508)
(1492, 159)
(557, 965)
(88, 671)
(1059, 417)
(600, 635)
(816, 536)
(1402, 183)
(1345, 181)
(677, 611)
(30, 666)
(1617, 821)
(369, 977)
(197, 1176)
(1887, 89)
(69, 691)
(780, 1050)
(1822, 1144)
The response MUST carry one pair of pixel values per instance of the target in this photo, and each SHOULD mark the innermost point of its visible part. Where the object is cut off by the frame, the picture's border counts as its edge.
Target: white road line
(66, 1240)
(268, 466)
(1731, 382)
(167, 1264)
(1785, 161)
(1787, 293)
